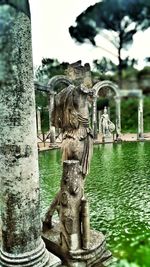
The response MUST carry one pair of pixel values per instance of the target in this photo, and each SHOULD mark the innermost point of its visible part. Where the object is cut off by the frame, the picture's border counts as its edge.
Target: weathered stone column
(95, 116)
(21, 241)
(99, 121)
(140, 119)
(38, 116)
(118, 117)
(51, 128)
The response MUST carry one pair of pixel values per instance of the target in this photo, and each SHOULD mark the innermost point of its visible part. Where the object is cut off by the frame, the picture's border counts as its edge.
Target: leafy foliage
(129, 107)
(49, 68)
(144, 71)
(147, 59)
(104, 65)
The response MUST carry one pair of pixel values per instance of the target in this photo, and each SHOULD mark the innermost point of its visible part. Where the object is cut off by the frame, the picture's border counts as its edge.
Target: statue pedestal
(96, 254)
(118, 139)
(107, 139)
(140, 138)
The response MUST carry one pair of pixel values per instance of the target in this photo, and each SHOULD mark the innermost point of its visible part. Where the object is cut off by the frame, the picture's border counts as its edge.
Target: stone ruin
(71, 238)
(80, 74)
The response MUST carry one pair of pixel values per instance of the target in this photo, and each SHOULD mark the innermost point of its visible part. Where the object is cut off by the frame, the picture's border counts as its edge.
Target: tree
(49, 68)
(104, 65)
(118, 20)
(147, 59)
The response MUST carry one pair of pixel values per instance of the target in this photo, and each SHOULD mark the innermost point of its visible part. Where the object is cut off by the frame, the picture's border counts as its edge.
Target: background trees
(49, 68)
(104, 65)
(117, 20)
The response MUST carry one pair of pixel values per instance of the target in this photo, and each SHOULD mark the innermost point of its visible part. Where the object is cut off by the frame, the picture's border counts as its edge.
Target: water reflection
(50, 174)
(118, 189)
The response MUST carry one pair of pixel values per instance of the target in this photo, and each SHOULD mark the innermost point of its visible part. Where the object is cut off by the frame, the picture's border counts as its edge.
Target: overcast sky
(50, 36)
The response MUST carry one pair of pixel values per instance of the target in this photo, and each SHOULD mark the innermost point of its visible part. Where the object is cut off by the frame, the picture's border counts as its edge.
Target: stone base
(141, 138)
(39, 257)
(54, 261)
(118, 139)
(107, 139)
(96, 255)
(53, 145)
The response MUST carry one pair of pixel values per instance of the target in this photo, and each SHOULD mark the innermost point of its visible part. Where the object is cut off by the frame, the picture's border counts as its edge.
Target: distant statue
(106, 125)
(71, 115)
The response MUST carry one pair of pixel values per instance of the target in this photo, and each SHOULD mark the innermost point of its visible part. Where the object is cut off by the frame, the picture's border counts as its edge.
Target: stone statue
(71, 236)
(71, 114)
(106, 125)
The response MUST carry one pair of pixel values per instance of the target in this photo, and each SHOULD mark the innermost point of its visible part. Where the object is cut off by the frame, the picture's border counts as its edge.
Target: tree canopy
(49, 68)
(104, 65)
(118, 19)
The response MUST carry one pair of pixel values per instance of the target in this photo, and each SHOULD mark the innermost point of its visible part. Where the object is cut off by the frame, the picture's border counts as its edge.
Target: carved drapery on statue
(72, 116)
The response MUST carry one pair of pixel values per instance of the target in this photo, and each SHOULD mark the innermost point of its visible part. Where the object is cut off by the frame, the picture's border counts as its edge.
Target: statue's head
(105, 110)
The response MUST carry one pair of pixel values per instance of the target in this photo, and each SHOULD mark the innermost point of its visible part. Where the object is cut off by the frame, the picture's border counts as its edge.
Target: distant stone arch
(58, 79)
(97, 87)
(100, 85)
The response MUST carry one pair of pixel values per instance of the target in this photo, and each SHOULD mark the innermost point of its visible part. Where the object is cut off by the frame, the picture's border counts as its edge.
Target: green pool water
(118, 189)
